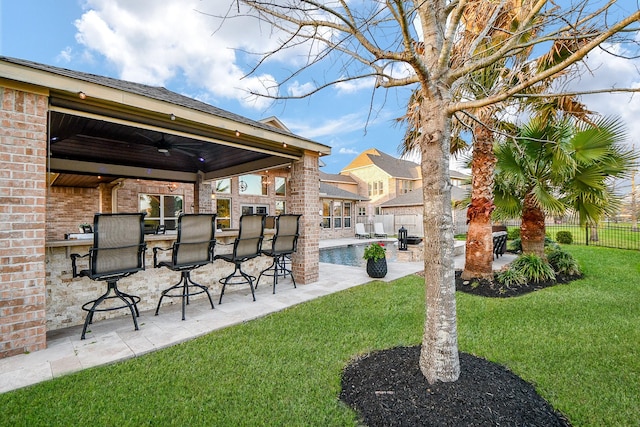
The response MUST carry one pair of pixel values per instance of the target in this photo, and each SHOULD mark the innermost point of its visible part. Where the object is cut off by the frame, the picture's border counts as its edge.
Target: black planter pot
(377, 269)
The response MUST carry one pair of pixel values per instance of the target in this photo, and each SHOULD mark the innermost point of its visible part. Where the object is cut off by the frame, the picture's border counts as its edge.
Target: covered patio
(64, 130)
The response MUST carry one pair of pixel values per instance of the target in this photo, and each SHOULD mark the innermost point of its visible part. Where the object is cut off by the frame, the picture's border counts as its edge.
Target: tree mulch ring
(492, 289)
(387, 388)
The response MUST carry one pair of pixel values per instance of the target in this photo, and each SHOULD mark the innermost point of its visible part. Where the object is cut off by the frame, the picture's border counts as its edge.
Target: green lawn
(609, 235)
(577, 343)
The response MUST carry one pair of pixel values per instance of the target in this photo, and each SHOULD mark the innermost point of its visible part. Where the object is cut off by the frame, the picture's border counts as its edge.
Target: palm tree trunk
(532, 229)
(478, 261)
(439, 358)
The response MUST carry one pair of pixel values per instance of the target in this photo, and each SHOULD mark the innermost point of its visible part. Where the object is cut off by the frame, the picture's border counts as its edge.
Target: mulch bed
(387, 388)
(487, 288)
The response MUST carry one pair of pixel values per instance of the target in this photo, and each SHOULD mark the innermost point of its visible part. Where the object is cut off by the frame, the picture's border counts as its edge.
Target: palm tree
(559, 165)
(482, 124)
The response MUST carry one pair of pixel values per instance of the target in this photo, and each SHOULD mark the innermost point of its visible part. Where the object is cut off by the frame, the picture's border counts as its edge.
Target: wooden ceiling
(83, 139)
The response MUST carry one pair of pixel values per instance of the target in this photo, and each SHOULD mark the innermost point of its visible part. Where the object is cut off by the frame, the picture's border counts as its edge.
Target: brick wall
(69, 207)
(303, 199)
(23, 135)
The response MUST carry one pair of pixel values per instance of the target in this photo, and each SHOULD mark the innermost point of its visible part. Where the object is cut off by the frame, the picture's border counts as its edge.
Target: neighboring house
(393, 187)
(382, 177)
(408, 208)
(339, 205)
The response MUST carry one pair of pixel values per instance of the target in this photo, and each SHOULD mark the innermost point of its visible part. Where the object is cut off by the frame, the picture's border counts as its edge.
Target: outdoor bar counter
(65, 295)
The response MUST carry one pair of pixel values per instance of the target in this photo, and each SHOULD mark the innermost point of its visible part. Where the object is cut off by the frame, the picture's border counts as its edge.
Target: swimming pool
(352, 254)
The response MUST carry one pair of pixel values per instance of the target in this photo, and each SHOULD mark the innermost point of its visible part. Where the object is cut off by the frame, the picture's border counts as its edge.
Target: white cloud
(65, 55)
(341, 125)
(354, 86)
(297, 89)
(154, 42)
(349, 151)
(607, 71)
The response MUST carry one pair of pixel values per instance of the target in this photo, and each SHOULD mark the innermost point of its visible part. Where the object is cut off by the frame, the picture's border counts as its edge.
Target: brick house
(393, 187)
(382, 177)
(73, 144)
(340, 205)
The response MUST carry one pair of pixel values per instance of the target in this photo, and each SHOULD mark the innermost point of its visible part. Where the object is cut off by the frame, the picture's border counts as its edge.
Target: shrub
(511, 277)
(513, 233)
(534, 268)
(515, 245)
(563, 263)
(564, 237)
(374, 251)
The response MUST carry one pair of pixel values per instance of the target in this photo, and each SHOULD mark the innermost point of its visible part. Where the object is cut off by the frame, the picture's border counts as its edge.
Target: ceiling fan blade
(185, 152)
(148, 138)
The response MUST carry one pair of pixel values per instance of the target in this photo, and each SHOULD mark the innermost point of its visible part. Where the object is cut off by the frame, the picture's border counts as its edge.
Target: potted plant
(375, 254)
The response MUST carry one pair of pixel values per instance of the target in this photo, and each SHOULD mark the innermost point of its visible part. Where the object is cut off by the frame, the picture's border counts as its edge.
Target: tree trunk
(479, 245)
(439, 359)
(532, 229)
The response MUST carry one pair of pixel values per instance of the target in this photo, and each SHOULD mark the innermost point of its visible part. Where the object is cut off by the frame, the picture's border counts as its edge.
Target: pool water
(352, 254)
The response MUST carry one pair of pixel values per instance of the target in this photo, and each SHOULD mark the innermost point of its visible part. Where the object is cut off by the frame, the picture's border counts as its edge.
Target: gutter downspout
(114, 195)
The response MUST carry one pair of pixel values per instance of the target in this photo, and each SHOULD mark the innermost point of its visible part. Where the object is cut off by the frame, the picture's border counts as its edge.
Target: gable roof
(155, 92)
(333, 177)
(414, 198)
(330, 191)
(104, 126)
(396, 168)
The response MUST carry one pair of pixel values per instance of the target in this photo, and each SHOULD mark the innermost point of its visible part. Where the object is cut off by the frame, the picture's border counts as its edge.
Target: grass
(578, 343)
(609, 235)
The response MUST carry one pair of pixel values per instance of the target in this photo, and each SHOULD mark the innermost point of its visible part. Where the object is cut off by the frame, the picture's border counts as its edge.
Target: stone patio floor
(113, 340)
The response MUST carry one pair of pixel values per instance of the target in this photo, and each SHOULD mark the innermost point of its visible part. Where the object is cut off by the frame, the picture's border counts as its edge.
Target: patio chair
(378, 230)
(246, 246)
(360, 232)
(118, 251)
(192, 249)
(499, 243)
(283, 244)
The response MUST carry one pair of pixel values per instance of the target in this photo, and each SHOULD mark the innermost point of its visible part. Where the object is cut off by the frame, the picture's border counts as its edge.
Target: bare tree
(378, 39)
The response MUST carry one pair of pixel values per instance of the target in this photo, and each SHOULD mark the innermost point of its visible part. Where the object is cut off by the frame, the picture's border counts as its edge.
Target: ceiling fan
(165, 147)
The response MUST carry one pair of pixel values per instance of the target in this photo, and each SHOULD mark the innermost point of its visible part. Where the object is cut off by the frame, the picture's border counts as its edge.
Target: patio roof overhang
(110, 128)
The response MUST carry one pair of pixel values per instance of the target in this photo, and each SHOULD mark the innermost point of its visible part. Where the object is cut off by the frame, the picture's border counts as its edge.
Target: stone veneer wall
(303, 199)
(23, 153)
(66, 295)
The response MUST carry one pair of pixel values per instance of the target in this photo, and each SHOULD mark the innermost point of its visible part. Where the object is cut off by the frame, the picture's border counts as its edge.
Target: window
(223, 209)
(256, 185)
(370, 186)
(160, 209)
(380, 188)
(281, 186)
(347, 215)
(375, 188)
(254, 209)
(326, 214)
(280, 204)
(362, 211)
(222, 186)
(406, 186)
(337, 214)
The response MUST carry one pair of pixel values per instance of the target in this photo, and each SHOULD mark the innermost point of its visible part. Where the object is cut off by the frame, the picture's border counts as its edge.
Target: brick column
(303, 198)
(23, 153)
(202, 196)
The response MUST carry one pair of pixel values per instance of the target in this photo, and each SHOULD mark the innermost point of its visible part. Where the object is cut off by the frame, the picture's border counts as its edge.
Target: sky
(179, 44)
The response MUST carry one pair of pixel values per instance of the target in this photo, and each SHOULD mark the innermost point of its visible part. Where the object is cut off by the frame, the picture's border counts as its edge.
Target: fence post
(586, 234)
